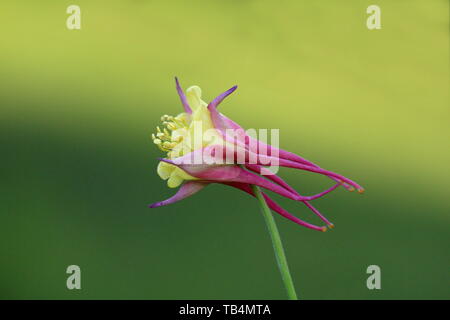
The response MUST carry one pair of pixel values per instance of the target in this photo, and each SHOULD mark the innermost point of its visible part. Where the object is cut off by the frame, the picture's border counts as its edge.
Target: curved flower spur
(203, 146)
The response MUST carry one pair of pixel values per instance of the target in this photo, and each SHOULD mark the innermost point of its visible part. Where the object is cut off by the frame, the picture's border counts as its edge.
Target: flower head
(203, 146)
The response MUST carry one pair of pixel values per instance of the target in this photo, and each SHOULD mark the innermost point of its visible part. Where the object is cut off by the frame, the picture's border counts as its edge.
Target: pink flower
(203, 146)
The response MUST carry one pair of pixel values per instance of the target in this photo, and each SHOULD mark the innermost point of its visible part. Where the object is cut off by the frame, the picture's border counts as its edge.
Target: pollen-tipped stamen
(163, 137)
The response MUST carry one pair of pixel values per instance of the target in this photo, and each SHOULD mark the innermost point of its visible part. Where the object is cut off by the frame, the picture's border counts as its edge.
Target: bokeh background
(78, 165)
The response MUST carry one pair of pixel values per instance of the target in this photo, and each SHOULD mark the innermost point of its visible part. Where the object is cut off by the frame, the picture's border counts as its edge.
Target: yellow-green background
(78, 166)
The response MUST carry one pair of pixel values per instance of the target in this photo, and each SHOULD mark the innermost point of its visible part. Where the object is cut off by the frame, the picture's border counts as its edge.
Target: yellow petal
(174, 181)
(165, 169)
(183, 174)
(194, 97)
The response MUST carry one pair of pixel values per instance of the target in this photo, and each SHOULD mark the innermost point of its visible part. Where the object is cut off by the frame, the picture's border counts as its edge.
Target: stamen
(169, 145)
(178, 121)
(163, 137)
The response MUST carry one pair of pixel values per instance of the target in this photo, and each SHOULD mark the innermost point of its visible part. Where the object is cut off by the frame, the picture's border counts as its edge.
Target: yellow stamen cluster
(164, 138)
(176, 136)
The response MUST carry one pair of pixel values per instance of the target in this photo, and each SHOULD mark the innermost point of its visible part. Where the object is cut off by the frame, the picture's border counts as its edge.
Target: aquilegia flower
(203, 146)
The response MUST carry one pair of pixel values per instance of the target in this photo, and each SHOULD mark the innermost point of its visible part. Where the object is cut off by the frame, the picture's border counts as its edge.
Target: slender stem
(277, 245)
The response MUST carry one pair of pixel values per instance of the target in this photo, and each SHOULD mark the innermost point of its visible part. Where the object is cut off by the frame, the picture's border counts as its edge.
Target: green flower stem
(277, 245)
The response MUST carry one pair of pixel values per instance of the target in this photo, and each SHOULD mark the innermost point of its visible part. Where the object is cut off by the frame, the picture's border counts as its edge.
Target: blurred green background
(78, 165)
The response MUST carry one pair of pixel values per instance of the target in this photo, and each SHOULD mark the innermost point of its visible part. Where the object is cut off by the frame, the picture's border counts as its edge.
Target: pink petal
(262, 159)
(186, 190)
(230, 173)
(211, 167)
(222, 123)
(266, 173)
(215, 103)
(183, 98)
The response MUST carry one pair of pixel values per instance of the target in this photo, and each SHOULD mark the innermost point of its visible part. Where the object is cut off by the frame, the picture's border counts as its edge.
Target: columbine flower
(228, 156)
